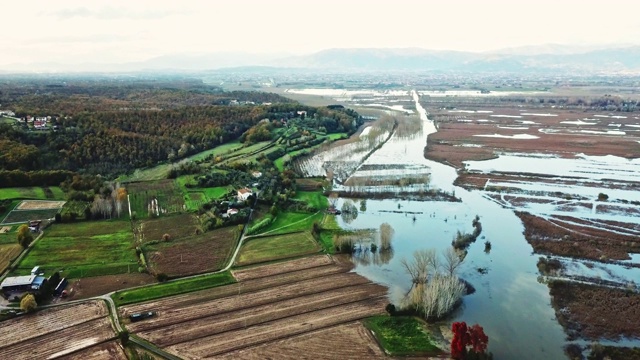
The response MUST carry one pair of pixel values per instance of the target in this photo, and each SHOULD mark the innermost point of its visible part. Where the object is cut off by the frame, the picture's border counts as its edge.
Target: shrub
(162, 277)
(24, 236)
(28, 303)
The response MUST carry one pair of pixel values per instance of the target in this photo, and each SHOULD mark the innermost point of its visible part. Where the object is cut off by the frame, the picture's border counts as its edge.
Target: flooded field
(593, 195)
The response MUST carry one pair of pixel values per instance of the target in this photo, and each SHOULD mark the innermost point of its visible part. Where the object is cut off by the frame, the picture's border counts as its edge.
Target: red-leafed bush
(464, 336)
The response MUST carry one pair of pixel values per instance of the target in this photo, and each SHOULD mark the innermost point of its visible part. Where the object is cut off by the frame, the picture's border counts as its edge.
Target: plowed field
(270, 306)
(107, 351)
(348, 341)
(57, 332)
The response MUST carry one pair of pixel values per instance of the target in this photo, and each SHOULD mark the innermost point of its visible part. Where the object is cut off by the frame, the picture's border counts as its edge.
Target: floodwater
(509, 302)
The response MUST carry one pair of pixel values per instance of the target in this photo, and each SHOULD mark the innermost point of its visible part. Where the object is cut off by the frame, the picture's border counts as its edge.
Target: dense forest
(111, 126)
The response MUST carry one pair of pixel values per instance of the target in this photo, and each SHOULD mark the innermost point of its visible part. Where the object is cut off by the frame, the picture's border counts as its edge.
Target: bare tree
(419, 268)
(452, 260)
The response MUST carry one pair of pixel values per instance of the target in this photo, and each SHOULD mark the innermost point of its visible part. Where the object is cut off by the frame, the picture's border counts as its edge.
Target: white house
(243, 194)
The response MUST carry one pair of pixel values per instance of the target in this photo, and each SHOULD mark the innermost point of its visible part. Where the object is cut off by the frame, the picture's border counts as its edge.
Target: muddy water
(509, 303)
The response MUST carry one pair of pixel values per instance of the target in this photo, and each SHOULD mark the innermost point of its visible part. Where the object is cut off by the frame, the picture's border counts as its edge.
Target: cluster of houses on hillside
(39, 122)
(7, 113)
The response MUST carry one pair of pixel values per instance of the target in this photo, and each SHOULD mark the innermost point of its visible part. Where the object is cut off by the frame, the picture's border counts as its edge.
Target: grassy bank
(175, 287)
(276, 247)
(402, 335)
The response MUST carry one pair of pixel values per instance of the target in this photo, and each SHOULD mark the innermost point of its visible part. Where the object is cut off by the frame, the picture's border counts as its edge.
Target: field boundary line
(151, 347)
(243, 307)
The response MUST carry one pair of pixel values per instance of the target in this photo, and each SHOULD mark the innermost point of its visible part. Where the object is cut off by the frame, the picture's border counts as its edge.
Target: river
(509, 302)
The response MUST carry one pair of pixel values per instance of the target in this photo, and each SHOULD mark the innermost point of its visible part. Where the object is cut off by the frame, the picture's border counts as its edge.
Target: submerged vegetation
(435, 290)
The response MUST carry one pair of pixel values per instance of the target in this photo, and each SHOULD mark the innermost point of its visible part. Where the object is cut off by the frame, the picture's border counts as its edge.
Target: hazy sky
(76, 31)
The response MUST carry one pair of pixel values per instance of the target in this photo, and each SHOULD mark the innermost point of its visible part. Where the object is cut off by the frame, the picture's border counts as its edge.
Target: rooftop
(18, 281)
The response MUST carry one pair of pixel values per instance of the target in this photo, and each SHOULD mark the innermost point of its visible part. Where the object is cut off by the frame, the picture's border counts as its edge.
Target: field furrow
(107, 351)
(63, 342)
(49, 320)
(237, 339)
(247, 286)
(246, 300)
(347, 341)
(282, 267)
(260, 314)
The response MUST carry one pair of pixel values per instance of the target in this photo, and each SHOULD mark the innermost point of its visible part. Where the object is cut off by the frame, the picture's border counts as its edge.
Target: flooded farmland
(512, 300)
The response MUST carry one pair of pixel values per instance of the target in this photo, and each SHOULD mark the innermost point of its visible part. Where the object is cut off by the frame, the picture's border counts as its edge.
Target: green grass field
(84, 249)
(32, 193)
(214, 193)
(402, 335)
(276, 247)
(337, 136)
(218, 150)
(287, 222)
(175, 287)
(313, 198)
(168, 194)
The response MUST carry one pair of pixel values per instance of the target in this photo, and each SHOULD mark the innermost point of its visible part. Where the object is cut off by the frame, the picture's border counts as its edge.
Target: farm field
(56, 332)
(348, 341)
(23, 216)
(287, 222)
(177, 226)
(159, 197)
(312, 198)
(8, 252)
(105, 351)
(263, 249)
(194, 254)
(289, 301)
(27, 210)
(181, 286)
(100, 285)
(35, 193)
(84, 249)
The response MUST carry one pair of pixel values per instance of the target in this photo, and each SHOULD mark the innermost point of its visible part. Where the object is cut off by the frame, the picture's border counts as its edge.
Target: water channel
(509, 302)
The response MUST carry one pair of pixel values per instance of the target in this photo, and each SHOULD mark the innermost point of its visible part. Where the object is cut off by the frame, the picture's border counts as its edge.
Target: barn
(22, 283)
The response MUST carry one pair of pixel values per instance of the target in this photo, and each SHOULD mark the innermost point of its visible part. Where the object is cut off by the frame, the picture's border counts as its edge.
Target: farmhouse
(243, 194)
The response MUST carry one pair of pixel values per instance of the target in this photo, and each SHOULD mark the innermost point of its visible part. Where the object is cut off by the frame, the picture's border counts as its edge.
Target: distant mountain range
(544, 58)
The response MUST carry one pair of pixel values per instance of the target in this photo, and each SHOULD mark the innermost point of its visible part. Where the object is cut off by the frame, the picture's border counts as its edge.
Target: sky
(115, 31)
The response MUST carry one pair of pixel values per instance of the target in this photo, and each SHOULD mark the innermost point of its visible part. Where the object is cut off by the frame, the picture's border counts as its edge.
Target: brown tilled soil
(347, 341)
(193, 255)
(39, 205)
(560, 238)
(282, 267)
(203, 296)
(100, 285)
(106, 351)
(58, 343)
(277, 329)
(594, 312)
(270, 304)
(47, 321)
